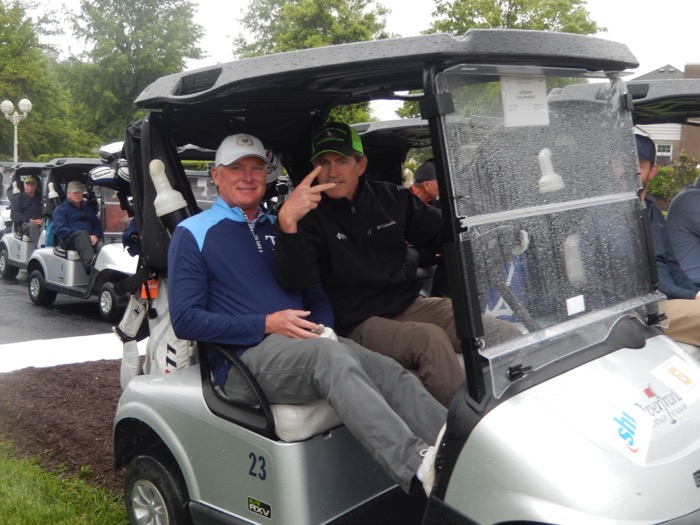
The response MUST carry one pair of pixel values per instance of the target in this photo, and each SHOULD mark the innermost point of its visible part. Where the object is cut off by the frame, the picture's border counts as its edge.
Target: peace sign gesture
(301, 201)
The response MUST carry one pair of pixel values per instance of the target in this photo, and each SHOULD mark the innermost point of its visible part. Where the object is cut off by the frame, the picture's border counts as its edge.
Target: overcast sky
(657, 32)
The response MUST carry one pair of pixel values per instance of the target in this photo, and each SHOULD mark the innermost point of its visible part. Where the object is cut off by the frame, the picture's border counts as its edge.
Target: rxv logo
(696, 475)
(259, 507)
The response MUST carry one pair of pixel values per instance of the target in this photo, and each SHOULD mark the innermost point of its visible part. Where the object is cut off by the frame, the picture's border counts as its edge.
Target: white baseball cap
(235, 147)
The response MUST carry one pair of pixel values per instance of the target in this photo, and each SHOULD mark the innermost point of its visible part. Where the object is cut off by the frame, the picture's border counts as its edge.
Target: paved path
(52, 352)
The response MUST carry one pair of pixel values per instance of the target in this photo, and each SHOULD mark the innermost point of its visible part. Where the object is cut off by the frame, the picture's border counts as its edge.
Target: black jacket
(358, 251)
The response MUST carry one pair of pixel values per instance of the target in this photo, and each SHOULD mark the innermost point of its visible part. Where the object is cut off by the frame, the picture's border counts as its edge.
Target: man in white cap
(77, 225)
(222, 289)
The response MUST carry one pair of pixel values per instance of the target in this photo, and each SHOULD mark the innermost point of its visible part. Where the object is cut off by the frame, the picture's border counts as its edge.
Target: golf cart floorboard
(393, 507)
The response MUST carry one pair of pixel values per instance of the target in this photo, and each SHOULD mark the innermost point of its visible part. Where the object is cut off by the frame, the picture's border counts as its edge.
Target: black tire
(7, 271)
(38, 292)
(154, 492)
(108, 303)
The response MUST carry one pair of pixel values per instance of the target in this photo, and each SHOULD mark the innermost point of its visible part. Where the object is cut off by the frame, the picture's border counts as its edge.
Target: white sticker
(524, 101)
(680, 376)
(575, 305)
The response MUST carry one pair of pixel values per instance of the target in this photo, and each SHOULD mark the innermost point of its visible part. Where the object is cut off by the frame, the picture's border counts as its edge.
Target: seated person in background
(351, 237)
(26, 210)
(223, 290)
(425, 185)
(683, 228)
(683, 305)
(77, 225)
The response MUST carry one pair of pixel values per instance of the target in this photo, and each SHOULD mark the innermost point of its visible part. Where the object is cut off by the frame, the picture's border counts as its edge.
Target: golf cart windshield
(545, 188)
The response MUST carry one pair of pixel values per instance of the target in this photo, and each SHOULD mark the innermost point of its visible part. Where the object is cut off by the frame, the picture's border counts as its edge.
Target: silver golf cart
(53, 269)
(591, 416)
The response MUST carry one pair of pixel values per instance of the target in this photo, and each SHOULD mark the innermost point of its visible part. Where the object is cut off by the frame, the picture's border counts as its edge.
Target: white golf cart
(54, 269)
(590, 417)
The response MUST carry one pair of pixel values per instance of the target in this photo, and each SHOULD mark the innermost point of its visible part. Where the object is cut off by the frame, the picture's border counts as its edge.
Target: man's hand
(301, 201)
(292, 324)
(37, 221)
(93, 239)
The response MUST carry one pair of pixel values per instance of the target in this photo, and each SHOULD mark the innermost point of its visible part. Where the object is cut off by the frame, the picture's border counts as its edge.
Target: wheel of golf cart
(38, 292)
(7, 271)
(108, 303)
(154, 492)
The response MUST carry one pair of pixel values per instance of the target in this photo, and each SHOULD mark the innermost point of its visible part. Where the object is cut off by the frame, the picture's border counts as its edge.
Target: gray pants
(384, 406)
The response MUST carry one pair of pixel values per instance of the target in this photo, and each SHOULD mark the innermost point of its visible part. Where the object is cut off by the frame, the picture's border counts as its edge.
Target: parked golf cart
(15, 248)
(589, 417)
(54, 269)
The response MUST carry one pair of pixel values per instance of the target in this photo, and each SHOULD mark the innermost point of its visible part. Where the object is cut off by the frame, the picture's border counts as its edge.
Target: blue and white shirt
(221, 281)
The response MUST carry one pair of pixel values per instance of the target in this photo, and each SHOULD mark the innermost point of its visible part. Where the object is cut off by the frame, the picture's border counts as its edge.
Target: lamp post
(8, 109)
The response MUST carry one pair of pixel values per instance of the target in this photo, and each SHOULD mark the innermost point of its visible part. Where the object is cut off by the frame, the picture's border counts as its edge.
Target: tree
(130, 45)
(569, 16)
(26, 71)
(283, 25)
(458, 16)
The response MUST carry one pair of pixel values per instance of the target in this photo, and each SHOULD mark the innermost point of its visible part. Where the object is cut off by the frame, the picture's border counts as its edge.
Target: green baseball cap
(336, 137)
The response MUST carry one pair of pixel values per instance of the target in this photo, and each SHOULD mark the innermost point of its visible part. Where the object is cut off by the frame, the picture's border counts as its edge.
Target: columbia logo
(341, 236)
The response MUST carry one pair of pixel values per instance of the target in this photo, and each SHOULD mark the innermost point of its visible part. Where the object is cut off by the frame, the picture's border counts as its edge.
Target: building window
(663, 150)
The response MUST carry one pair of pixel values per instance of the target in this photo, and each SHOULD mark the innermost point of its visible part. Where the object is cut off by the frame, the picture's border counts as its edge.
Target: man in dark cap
(425, 185)
(683, 305)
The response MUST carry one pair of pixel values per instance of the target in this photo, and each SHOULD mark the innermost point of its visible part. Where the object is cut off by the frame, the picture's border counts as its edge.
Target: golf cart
(54, 269)
(15, 248)
(589, 417)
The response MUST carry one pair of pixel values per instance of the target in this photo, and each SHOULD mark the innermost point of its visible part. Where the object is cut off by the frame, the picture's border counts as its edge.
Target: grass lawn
(31, 496)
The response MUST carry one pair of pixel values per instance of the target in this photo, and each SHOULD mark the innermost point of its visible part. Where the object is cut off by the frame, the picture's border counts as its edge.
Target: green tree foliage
(568, 16)
(456, 17)
(129, 45)
(671, 179)
(274, 26)
(26, 71)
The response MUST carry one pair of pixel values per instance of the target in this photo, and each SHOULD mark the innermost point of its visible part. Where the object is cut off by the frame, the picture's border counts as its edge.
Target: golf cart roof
(282, 95)
(668, 101)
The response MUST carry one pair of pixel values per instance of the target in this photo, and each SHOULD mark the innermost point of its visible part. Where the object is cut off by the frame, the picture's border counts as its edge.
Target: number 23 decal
(257, 466)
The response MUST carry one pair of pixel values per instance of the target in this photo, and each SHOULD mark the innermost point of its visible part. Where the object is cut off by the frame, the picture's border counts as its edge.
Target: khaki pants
(423, 338)
(683, 320)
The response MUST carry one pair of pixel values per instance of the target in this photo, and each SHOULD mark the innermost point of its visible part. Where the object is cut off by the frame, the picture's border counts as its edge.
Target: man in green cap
(26, 210)
(352, 237)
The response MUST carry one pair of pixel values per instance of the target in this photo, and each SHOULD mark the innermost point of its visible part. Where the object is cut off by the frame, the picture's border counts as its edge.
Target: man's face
(30, 188)
(75, 197)
(431, 188)
(344, 171)
(242, 183)
(647, 171)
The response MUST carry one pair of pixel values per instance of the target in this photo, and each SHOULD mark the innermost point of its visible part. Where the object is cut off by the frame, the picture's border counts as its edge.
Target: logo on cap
(244, 140)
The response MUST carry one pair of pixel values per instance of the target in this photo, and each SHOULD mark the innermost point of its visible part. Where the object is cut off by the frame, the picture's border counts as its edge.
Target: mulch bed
(63, 414)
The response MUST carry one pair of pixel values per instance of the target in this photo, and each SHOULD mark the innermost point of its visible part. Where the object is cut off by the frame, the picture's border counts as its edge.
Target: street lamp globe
(25, 106)
(7, 107)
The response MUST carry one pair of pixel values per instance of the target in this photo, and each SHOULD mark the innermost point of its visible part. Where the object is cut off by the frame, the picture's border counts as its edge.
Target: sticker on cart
(575, 305)
(680, 376)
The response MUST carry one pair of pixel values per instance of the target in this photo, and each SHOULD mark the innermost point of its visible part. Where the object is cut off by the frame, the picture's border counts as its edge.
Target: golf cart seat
(60, 249)
(17, 230)
(289, 423)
